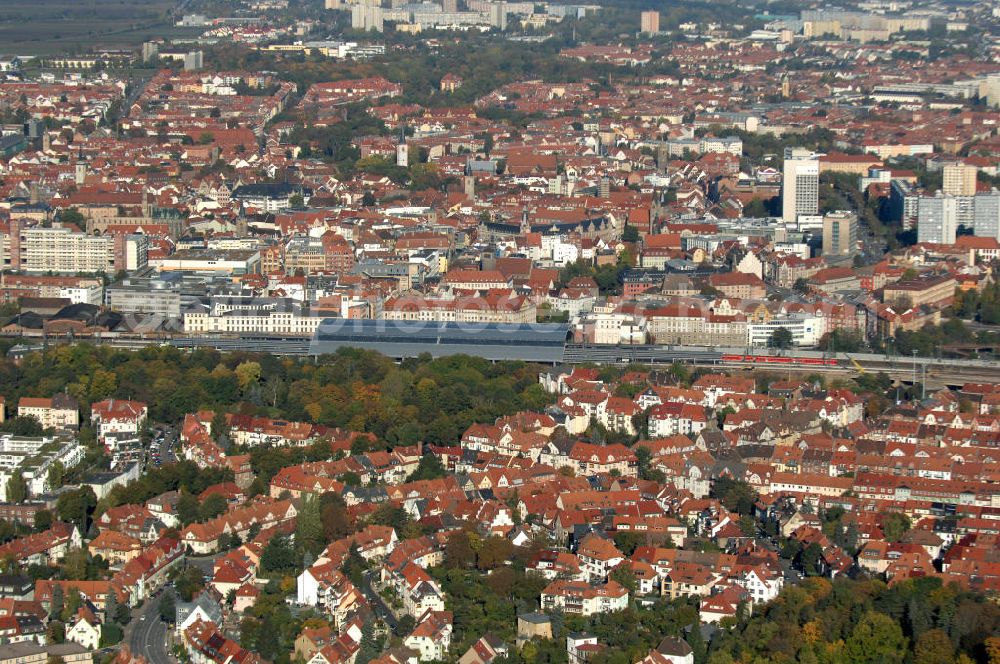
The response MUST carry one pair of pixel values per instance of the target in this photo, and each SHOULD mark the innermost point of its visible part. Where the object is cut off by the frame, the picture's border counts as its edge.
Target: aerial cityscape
(489, 332)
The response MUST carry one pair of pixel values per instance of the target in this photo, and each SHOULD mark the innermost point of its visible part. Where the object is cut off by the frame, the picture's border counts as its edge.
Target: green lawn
(44, 27)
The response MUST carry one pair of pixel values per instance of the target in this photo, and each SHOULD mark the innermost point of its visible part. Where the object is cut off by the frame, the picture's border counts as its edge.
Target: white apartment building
(614, 328)
(33, 457)
(296, 322)
(61, 411)
(958, 179)
(119, 418)
(800, 184)
(987, 215)
(806, 330)
(510, 310)
(937, 219)
(64, 250)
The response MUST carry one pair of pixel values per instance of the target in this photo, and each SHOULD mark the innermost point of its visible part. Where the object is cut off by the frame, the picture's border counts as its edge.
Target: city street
(146, 635)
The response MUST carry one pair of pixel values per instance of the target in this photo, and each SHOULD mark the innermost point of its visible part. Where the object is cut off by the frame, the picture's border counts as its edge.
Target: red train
(778, 359)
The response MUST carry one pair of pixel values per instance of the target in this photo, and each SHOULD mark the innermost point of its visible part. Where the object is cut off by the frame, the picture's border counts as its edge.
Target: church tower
(402, 150)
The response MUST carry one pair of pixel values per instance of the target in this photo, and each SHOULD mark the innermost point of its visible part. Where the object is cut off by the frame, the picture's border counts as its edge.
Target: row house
(421, 551)
(598, 556)
(143, 576)
(673, 418)
(616, 414)
(431, 637)
(324, 586)
(251, 431)
(552, 564)
(373, 543)
(761, 583)
(583, 598)
(134, 521)
(656, 528)
(715, 386)
(724, 604)
(657, 394)
(808, 484)
(96, 592)
(114, 547)
(45, 548)
(205, 643)
(689, 580)
(342, 648)
(880, 487)
(418, 591)
(590, 459)
(203, 538)
(297, 480)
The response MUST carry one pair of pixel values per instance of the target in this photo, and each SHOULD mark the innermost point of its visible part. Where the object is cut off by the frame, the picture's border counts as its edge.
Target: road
(375, 600)
(146, 635)
(161, 448)
(206, 563)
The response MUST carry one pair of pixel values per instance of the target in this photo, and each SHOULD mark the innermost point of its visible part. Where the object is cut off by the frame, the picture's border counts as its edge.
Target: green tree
(333, 517)
(458, 552)
(309, 535)
(810, 559)
(876, 639)
(369, 647)
(278, 555)
(349, 479)
(405, 625)
(76, 507)
(74, 600)
(22, 425)
(72, 216)
(111, 634)
(57, 603)
(624, 576)
(697, 643)
(780, 338)
(429, 468)
(219, 425)
(57, 474)
(895, 525)
(213, 506)
(188, 507)
(933, 647)
(43, 520)
(56, 631)
(248, 374)
(736, 495)
(168, 607)
(17, 489)
(627, 542)
(188, 583)
(111, 608)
